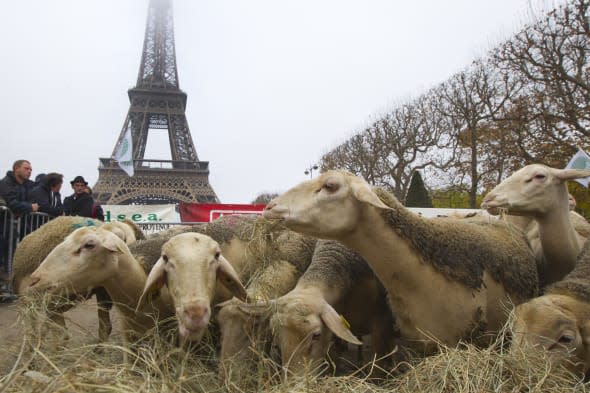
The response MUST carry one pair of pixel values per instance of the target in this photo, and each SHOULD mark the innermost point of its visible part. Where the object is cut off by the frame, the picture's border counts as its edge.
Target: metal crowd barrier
(13, 230)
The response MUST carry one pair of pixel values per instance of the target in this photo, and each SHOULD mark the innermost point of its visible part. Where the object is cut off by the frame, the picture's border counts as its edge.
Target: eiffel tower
(156, 103)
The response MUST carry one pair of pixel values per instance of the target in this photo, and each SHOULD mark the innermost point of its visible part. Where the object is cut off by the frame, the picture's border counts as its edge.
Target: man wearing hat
(80, 202)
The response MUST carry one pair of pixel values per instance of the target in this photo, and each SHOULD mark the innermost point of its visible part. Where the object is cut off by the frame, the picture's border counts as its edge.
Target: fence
(12, 230)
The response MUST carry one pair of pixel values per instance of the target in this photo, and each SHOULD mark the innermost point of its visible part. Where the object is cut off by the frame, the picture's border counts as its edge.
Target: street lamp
(309, 171)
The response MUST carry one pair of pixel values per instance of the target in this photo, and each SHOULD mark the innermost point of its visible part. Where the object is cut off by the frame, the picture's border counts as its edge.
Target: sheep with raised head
(540, 192)
(338, 295)
(447, 280)
(559, 321)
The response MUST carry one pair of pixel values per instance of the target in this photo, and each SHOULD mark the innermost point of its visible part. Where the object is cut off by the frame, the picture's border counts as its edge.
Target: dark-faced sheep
(447, 280)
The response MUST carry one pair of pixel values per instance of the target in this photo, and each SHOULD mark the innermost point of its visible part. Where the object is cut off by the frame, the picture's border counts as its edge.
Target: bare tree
(552, 113)
(471, 101)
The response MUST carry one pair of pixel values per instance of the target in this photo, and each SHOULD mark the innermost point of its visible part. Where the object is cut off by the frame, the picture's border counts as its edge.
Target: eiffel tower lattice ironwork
(156, 102)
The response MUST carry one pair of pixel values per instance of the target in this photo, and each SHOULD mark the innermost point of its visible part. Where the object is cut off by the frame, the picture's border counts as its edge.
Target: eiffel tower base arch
(151, 185)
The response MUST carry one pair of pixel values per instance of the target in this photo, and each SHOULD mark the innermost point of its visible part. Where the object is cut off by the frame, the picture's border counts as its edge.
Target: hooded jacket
(49, 202)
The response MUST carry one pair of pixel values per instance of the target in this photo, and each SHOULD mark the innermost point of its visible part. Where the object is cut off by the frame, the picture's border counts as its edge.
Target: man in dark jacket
(16, 187)
(47, 195)
(15, 190)
(80, 202)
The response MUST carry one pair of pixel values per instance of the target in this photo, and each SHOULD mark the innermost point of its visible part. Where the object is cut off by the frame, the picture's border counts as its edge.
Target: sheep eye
(316, 336)
(165, 258)
(330, 187)
(540, 176)
(89, 246)
(565, 339)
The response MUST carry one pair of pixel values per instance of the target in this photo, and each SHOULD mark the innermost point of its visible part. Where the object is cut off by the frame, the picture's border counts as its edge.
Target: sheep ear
(571, 174)
(111, 242)
(337, 324)
(155, 281)
(229, 278)
(363, 192)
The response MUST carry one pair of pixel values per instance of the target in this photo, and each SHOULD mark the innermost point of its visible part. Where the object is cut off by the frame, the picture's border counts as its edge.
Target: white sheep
(447, 280)
(337, 295)
(540, 192)
(190, 266)
(559, 321)
(245, 337)
(92, 257)
(35, 247)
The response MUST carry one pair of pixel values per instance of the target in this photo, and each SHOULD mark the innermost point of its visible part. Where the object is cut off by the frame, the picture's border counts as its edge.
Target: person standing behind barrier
(80, 202)
(47, 195)
(16, 188)
(97, 211)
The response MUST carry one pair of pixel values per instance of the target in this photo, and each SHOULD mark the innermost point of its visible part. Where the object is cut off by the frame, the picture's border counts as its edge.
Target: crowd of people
(22, 196)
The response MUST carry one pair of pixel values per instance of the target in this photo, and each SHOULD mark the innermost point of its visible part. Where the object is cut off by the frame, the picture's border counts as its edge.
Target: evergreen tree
(417, 195)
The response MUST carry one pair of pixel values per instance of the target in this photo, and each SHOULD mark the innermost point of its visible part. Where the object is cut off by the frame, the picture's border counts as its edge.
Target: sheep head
(190, 265)
(328, 206)
(555, 323)
(533, 190)
(85, 258)
(304, 325)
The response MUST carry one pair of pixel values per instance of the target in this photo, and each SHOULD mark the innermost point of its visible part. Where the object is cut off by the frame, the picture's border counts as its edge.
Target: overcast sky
(272, 85)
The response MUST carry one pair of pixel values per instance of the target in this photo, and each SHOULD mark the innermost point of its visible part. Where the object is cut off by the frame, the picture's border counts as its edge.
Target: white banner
(580, 160)
(147, 214)
(124, 153)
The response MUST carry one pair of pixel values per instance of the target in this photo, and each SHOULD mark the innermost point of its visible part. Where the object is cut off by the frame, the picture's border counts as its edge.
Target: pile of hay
(45, 362)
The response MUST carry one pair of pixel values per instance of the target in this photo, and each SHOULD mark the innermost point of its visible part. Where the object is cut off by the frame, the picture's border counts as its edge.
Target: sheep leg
(104, 303)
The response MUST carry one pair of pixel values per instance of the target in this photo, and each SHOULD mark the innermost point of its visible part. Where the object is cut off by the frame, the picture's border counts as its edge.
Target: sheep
(540, 192)
(244, 335)
(447, 280)
(559, 321)
(190, 265)
(304, 320)
(33, 249)
(127, 230)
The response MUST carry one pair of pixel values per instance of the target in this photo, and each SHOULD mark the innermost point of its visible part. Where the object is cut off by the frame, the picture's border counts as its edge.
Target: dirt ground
(81, 322)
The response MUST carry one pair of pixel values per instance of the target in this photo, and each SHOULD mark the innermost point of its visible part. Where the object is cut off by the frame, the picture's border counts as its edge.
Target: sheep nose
(196, 315)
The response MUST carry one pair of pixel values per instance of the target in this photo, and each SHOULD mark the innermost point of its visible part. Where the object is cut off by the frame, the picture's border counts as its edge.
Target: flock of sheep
(380, 270)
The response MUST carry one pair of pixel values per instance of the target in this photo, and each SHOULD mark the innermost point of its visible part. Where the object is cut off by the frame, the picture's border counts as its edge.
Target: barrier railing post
(7, 235)
(13, 230)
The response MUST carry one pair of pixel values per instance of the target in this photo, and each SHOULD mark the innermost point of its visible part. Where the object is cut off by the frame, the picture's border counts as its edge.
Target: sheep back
(139, 235)
(463, 249)
(334, 264)
(35, 247)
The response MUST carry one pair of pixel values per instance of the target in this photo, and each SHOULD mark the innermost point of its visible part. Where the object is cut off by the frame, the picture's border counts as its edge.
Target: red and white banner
(206, 212)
